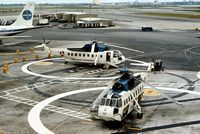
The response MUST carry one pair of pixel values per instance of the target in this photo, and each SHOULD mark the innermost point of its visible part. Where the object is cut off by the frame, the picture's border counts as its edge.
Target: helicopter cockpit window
(117, 54)
(119, 102)
(113, 102)
(117, 86)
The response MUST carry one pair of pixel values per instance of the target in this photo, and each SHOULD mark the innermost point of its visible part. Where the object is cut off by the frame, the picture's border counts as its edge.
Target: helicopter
(96, 53)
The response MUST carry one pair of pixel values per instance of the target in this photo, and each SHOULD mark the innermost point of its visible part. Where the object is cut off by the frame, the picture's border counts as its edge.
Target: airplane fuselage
(12, 30)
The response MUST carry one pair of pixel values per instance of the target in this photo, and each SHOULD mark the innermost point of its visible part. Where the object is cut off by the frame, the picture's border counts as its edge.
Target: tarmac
(22, 92)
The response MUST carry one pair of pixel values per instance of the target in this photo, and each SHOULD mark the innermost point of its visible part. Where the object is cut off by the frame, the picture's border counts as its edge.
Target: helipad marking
(177, 90)
(34, 114)
(44, 63)
(151, 92)
(25, 70)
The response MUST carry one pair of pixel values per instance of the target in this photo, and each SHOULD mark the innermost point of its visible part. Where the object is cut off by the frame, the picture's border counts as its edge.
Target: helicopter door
(108, 56)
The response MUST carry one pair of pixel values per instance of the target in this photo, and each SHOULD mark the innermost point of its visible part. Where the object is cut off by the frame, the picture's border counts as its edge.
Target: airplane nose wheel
(139, 115)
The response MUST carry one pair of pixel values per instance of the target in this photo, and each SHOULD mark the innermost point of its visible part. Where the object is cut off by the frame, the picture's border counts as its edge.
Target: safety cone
(49, 55)
(36, 57)
(24, 58)
(31, 50)
(17, 51)
(16, 60)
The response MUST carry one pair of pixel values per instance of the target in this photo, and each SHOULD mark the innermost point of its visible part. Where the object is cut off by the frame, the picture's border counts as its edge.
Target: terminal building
(80, 19)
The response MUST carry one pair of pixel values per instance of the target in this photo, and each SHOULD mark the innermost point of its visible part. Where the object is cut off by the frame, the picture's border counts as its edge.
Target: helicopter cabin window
(75, 54)
(103, 100)
(107, 102)
(80, 55)
(131, 97)
(83, 55)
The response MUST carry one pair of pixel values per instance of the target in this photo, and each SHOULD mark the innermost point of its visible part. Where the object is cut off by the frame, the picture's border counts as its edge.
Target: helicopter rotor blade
(163, 94)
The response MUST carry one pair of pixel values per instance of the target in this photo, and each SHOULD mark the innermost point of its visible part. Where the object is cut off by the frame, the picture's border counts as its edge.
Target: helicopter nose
(123, 58)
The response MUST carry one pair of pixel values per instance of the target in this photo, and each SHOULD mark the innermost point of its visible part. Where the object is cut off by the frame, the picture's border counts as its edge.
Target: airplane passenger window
(75, 54)
(71, 54)
(79, 54)
(92, 55)
(83, 55)
(88, 55)
(101, 56)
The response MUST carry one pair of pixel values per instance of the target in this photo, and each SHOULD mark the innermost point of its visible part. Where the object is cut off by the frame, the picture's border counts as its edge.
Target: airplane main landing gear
(139, 115)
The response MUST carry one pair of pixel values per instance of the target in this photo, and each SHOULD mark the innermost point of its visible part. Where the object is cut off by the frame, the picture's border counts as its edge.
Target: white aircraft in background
(23, 23)
(95, 53)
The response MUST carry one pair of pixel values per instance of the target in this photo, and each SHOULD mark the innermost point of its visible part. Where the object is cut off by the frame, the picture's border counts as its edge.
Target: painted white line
(34, 114)
(25, 70)
(134, 50)
(52, 108)
(26, 88)
(198, 75)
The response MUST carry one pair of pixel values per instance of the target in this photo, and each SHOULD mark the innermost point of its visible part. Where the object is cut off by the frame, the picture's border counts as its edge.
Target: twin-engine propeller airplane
(121, 98)
(93, 53)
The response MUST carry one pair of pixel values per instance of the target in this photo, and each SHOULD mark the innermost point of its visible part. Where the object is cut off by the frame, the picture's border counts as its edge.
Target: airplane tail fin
(26, 16)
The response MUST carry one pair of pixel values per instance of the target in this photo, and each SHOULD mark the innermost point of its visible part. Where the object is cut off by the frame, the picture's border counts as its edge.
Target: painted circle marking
(151, 92)
(27, 71)
(34, 115)
(27, 15)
